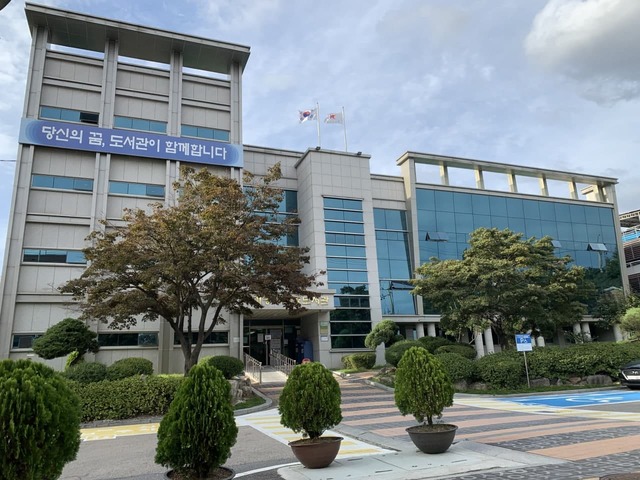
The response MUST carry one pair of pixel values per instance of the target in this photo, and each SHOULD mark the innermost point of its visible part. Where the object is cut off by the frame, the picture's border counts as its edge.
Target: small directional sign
(523, 343)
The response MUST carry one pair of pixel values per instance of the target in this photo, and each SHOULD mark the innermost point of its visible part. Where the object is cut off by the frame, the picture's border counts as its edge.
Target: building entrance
(260, 337)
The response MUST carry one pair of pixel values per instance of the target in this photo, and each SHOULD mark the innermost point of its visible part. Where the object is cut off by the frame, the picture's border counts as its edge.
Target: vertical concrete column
(175, 94)
(488, 340)
(420, 330)
(513, 182)
(586, 330)
(540, 341)
(617, 333)
(479, 344)
(431, 329)
(408, 332)
(576, 328)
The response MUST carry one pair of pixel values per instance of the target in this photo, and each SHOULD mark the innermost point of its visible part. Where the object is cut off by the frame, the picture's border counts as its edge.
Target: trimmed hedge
(393, 354)
(229, 366)
(129, 367)
(458, 367)
(357, 361)
(502, 370)
(433, 343)
(467, 351)
(86, 372)
(126, 398)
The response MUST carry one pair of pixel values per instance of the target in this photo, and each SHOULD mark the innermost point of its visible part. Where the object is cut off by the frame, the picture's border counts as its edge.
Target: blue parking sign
(523, 343)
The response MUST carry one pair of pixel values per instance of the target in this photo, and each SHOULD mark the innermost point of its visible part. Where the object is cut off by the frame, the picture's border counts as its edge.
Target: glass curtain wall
(347, 272)
(394, 264)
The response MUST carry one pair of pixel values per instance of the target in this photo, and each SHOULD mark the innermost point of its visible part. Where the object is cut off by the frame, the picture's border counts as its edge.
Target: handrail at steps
(253, 368)
(281, 362)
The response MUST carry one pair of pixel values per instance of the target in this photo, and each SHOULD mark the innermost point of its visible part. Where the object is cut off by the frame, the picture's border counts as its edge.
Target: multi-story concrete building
(630, 222)
(111, 112)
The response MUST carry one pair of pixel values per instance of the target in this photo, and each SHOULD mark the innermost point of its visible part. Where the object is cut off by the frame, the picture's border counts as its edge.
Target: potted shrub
(423, 389)
(196, 435)
(40, 421)
(310, 403)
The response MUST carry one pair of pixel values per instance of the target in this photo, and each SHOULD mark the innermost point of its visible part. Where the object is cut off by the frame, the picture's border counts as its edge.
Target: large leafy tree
(216, 251)
(505, 283)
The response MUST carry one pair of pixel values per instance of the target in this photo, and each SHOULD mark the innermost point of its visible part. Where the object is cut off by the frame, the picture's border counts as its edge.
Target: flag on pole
(334, 118)
(308, 114)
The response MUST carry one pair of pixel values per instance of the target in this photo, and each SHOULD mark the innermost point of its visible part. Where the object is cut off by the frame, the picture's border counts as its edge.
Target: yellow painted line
(108, 433)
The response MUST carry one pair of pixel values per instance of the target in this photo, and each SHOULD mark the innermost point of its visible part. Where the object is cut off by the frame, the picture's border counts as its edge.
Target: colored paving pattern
(594, 443)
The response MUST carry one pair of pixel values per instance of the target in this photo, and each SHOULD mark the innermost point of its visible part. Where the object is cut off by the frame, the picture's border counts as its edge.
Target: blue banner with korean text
(128, 142)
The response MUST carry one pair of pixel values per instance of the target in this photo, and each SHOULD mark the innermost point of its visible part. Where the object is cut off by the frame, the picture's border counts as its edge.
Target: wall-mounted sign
(322, 300)
(127, 142)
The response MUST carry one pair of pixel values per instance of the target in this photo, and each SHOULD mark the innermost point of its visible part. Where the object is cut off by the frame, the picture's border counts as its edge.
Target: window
(204, 132)
(63, 183)
(132, 123)
(68, 115)
(24, 340)
(214, 338)
(437, 237)
(139, 189)
(53, 256)
(139, 339)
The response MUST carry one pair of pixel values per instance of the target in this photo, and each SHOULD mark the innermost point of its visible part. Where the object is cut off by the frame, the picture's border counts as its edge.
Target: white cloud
(593, 42)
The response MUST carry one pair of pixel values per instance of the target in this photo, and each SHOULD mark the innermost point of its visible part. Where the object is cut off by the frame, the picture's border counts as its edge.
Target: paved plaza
(592, 434)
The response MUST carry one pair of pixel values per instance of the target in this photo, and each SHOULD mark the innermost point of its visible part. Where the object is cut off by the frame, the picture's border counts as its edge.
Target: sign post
(524, 345)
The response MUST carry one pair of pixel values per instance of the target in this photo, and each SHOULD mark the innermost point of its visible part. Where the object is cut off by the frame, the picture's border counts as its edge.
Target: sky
(542, 83)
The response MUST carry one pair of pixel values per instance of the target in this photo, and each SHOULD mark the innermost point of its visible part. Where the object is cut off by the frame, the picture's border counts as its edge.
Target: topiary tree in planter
(196, 435)
(310, 403)
(423, 389)
(39, 422)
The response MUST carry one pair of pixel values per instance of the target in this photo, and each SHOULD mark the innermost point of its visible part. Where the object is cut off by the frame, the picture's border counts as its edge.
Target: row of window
(204, 132)
(480, 204)
(53, 256)
(127, 339)
(132, 123)
(347, 272)
(69, 115)
(86, 185)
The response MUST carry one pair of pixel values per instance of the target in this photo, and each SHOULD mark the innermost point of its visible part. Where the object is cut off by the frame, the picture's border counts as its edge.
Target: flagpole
(344, 126)
(318, 122)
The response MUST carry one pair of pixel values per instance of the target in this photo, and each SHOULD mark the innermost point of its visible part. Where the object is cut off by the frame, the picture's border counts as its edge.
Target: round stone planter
(317, 452)
(433, 438)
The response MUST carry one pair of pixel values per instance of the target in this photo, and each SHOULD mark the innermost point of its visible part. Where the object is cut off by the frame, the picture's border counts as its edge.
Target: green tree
(69, 335)
(196, 435)
(630, 322)
(422, 386)
(39, 421)
(384, 332)
(217, 250)
(505, 283)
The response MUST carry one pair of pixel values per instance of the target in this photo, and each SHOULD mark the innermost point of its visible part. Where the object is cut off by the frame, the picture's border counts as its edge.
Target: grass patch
(250, 402)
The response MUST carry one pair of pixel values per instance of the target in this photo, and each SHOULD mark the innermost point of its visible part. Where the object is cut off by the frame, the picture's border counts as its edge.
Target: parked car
(630, 374)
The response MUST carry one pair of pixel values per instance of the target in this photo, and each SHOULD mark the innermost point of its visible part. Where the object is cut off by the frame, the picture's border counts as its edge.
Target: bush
(433, 343)
(129, 367)
(310, 400)
(467, 351)
(40, 421)
(393, 354)
(422, 386)
(196, 435)
(458, 367)
(502, 370)
(86, 372)
(229, 366)
(65, 337)
(359, 361)
(385, 332)
(127, 398)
